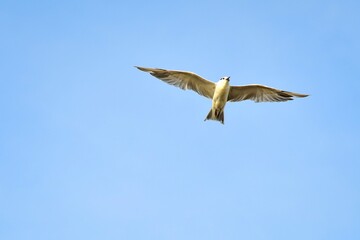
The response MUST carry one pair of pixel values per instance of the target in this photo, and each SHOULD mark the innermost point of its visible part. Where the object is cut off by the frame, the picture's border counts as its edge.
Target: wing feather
(260, 93)
(183, 80)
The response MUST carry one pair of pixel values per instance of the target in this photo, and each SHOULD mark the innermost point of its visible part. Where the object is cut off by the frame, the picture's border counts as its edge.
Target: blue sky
(92, 148)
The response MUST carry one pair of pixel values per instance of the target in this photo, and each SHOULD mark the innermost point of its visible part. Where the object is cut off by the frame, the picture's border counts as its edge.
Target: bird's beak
(228, 78)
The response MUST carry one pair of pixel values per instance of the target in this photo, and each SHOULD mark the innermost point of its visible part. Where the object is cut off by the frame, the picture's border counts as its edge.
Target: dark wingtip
(141, 68)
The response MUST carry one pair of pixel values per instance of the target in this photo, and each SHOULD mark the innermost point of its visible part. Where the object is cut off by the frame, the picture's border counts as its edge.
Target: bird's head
(225, 78)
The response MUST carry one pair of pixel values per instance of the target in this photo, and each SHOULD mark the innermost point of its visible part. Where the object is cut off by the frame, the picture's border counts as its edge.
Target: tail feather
(217, 115)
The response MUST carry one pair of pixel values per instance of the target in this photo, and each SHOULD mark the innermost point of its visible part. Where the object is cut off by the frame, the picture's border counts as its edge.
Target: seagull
(220, 92)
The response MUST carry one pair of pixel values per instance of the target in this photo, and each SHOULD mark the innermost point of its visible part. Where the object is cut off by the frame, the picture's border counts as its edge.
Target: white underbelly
(221, 94)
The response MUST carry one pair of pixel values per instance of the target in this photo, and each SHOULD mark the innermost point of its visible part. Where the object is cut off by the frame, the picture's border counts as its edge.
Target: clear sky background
(92, 148)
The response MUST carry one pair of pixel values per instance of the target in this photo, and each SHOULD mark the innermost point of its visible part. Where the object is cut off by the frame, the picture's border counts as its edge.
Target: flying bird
(220, 92)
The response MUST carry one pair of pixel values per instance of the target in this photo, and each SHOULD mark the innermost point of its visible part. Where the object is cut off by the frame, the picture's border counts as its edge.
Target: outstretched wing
(183, 80)
(260, 93)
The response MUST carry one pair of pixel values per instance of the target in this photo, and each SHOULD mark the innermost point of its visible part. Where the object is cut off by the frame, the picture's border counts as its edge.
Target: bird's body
(221, 92)
(219, 100)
